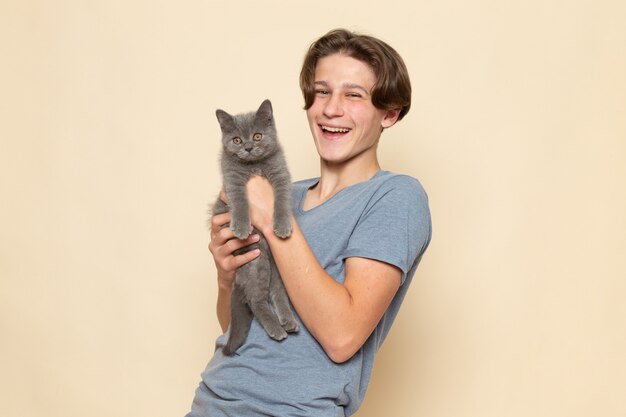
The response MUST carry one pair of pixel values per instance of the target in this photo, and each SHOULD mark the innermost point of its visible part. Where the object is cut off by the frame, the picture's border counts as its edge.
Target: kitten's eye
(237, 141)
(257, 136)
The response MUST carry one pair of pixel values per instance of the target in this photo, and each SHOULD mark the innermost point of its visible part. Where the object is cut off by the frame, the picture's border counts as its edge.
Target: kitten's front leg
(282, 208)
(281, 220)
(240, 212)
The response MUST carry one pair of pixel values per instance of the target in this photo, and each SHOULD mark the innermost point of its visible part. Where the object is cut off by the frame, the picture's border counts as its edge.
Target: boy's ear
(391, 117)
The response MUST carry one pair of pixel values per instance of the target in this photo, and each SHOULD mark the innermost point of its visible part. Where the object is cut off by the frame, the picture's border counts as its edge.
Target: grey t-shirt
(385, 218)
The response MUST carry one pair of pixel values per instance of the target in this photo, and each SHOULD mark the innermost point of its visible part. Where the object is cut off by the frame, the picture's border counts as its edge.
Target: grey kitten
(250, 147)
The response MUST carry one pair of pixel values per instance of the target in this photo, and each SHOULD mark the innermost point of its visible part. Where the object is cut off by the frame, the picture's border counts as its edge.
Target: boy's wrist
(225, 285)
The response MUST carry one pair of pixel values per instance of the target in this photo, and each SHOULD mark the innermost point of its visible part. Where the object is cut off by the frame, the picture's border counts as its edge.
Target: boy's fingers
(240, 260)
(219, 220)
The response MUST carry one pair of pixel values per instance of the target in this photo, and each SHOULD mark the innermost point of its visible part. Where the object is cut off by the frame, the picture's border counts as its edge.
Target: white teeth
(335, 129)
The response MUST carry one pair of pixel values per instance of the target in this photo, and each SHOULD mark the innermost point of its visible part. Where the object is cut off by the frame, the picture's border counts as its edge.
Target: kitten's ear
(265, 111)
(225, 119)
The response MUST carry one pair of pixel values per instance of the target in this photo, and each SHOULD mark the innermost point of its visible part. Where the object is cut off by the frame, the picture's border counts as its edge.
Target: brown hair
(392, 90)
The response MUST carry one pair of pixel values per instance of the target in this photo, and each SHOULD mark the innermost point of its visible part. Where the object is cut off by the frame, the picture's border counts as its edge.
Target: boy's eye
(354, 95)
(237, 141)
(257, 137)
(321, 92)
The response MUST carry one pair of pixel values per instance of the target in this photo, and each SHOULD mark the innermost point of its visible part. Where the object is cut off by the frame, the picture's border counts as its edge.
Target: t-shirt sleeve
(395, 226)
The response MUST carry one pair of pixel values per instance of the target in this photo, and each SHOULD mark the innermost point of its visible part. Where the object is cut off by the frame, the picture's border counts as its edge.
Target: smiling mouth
(334, 130)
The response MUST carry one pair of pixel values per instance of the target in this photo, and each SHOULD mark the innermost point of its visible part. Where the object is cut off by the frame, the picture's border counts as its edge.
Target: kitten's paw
(283, 229)
(277, 334)
(290, 326)
(241, 230)
(228, 350)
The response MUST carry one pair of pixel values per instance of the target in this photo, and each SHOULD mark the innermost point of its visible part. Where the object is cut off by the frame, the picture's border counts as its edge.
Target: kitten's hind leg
(254, 277)
(281, 303)
(240, 320)
(264, 314)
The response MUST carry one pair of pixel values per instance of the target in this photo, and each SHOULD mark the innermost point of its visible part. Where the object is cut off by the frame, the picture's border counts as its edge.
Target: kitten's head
(250, 136)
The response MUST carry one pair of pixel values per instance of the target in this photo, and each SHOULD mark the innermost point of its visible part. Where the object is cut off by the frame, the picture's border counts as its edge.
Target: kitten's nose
(248, 147)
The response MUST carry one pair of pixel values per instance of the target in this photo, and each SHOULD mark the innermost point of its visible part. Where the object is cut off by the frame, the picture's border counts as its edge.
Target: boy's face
(344, 122)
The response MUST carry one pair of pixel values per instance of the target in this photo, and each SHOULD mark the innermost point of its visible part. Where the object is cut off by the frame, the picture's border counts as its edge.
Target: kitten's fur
(250, 147)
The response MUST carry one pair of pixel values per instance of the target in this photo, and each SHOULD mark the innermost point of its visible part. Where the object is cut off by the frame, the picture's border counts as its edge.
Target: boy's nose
(334, 106)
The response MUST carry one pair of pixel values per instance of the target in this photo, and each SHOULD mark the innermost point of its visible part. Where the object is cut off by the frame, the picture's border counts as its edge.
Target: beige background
(107, 164)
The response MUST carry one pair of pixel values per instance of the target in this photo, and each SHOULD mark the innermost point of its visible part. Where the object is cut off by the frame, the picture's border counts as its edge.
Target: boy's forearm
(223, 307)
